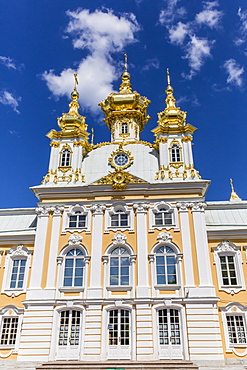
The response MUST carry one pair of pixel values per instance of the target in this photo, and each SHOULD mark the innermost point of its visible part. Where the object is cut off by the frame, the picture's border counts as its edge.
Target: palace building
(123, 259)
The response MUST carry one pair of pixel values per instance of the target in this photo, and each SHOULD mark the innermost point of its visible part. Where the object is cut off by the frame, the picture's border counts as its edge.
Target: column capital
(141, 207)
(57, 210)
(43, 211)
(198, 206)
(97, 209)
(183, 206)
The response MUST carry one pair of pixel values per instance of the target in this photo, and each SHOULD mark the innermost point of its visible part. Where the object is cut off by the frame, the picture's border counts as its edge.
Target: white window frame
(234, 309)
(156, 209)
(164, 239)
(65, 148)
(74, 243)
(111, 211)
(11, 311)
(71, 212)
(119, 240)
(15, 253)
(226, 248)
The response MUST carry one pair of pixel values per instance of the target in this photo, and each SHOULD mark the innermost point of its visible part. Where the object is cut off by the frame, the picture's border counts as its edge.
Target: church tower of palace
(123, 263)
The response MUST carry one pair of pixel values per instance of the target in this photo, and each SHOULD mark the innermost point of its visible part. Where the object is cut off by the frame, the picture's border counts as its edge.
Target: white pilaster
(50, 284)
(143, 289)
(95, 288)
(39, 250)
(186, 243)
(204, 267)
(164, 155)
(186, 154)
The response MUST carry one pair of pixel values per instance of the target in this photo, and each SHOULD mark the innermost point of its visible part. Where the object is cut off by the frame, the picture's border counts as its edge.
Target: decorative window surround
(240, 313)
(14, 254)
(119, 241)
(226, 249)
(10, 312)
(164, 240)
(127, 210)
(71, 212)
(156, 209)
(74, 243)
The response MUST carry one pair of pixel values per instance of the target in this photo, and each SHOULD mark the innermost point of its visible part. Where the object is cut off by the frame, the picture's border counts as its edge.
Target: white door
(169, 329)
(69, 336)
(119, 334)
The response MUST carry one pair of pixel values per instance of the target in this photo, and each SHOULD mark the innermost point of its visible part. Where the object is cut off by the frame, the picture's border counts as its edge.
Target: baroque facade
(123, 258)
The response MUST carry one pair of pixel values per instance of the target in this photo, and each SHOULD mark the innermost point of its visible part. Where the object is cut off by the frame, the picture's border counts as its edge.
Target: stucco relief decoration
(42, 211)
(198, 206)
(183, 207)
(164, 236)
(75, 239)
(97, 209)
(20, 251)
(141, 207)
(226, 246)
(57, 210)
(119, 238)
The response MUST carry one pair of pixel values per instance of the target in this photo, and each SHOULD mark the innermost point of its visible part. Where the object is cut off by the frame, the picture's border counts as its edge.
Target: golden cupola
(125, 111)
(72, 123)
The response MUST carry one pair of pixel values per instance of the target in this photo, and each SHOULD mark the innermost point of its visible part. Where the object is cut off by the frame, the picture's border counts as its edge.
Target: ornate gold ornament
(66, 147)
(55, 144)
(118, 179)
(121, 158)
(64, 169)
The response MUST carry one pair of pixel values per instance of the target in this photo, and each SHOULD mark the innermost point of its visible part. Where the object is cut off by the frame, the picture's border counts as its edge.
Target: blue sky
(44, 42)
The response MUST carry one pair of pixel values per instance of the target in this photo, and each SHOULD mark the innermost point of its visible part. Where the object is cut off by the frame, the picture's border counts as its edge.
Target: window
(18, 273)
(65, 158)
(236, 329)
(74, 268)
(119, 219)
(16, 270)
(166, 266)
(228, 261)
(228, 270)
(119, 266)
(124, 128)
(175, 153)
(9, 331)
(78, 220)
(163, 217)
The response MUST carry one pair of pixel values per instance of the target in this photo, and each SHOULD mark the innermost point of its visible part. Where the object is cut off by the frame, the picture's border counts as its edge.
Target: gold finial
(76, 80)
(234, 195)
(170, 100)
(168, 76)
(125, 86)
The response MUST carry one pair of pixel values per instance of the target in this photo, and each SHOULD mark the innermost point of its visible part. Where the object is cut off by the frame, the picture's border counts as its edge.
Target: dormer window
(175, 153)
(124, 128)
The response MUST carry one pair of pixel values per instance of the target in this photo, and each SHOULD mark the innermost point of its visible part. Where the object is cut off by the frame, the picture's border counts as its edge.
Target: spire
(234, 196)
(125, 86)
(170, 100)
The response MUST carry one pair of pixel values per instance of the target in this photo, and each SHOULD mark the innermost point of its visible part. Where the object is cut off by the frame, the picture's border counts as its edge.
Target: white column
(143, 288)
(204, 267)
(95, 289)
(186, 243)
(51, 158)
(51, 274)
(34, 290)
(186, 155)
(190, 153)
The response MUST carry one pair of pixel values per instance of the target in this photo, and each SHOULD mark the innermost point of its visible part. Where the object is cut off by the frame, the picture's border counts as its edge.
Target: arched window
(119, 266)
(65, 158)
(77, 220)
(74, 268)
(166, 266)
(163, 217)
(175, 153)
(120, 218)
(124, 128)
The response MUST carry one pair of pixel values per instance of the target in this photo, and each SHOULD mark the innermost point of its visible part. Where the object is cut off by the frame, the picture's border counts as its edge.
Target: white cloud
(178, 33)
(151, 63)
(234, 72)
(8, 62)
(7, 98)
(198, 49)
(243, 27)
(101, 33)
(172, 12)
(209, 16)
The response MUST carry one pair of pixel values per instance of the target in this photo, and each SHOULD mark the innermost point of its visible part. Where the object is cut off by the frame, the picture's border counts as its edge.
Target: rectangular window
(236, 329)
(228, 270)
(9, 331)
(17, 275)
